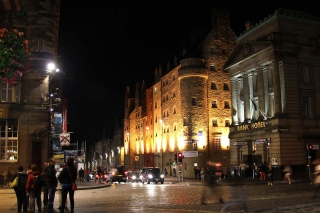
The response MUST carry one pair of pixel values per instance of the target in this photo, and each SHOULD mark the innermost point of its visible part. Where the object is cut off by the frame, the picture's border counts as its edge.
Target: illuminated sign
(257, 125)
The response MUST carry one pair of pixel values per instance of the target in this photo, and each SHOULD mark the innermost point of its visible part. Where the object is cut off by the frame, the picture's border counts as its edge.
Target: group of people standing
(28, 194)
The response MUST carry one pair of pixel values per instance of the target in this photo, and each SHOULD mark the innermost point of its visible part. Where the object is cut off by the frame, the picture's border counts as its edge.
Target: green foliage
(13, 55)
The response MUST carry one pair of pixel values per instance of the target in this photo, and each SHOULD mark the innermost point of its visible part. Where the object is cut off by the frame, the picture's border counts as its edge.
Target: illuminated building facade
(187, 110)
(274, 75)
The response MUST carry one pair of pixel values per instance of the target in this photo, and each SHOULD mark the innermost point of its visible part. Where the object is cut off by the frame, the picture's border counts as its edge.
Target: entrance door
(36, 154)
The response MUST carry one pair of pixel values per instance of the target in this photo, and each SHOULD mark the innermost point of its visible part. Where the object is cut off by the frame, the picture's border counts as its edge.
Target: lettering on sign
(190, 154)
(257, 125)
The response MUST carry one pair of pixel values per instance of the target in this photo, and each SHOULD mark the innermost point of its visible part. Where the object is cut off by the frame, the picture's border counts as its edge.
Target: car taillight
(105, 176)
(97, 176)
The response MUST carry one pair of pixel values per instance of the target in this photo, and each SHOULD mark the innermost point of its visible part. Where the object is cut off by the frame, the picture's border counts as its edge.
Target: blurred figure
(242, 170)
(202, 174)
(238, 199)
(20, 190)
(45, 187)
(270, 175)
(316, 179)
(81, 174)
(288, 173)
(7, 176)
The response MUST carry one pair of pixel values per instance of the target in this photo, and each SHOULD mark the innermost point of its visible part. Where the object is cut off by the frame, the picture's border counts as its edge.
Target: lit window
(212, 68)
(9, 140)
(214, 122)
(214, 104)
(216, 145)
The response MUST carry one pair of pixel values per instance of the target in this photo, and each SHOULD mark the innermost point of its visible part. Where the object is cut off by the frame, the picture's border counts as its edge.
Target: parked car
(133, 176)
(119, 174)
(151, 174)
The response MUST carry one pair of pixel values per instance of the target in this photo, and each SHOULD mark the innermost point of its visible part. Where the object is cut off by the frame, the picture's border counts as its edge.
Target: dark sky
(107, 45)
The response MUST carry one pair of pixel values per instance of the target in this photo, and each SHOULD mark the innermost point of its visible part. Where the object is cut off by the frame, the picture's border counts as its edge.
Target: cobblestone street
(185, 197)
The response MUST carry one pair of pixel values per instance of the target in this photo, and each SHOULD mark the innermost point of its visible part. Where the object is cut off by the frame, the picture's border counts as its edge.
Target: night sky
(107, 45)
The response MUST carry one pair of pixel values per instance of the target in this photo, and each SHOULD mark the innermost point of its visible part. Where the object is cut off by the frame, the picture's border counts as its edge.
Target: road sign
(64, 139)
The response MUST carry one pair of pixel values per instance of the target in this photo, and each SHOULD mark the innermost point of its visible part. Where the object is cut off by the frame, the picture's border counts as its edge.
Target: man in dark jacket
(20, 190)
(45, 187)
(51, 182)
(67, 176)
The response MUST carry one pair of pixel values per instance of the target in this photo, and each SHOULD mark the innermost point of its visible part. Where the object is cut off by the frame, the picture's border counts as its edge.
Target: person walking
(270, 175)
(81, 174)
(59, 187)
(45, 187)
(66, 177)
(51, 182)
(202, 174)
(20, 190)
(288, 173)
(33, 191)
(316, 180)
(243, 170)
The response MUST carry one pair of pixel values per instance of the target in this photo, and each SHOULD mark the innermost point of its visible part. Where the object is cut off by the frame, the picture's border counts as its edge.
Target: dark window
(194, 102)
(213, 86)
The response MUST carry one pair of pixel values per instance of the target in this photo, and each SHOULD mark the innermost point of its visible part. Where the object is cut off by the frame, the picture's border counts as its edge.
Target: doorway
(36, 154)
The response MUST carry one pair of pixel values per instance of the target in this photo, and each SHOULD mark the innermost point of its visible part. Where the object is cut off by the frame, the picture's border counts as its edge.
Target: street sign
(64, 139)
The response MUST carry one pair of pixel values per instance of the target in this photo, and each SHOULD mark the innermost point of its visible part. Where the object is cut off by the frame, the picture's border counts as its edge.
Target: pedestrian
(51, 182)
(270, 175)
(238, 199)
(202, 174)
(45, 187)
(316, 181)
(195, 172)
(20, 190)
(5, 175)
(33, 191)
(288, 173)
(263, 170)
(242, 170)
(81, 174)
(59, 187)
(66, 177)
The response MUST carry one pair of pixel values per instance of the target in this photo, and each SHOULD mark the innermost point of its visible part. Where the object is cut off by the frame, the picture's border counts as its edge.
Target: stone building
(274, 75)
(25, 110)
(187, 110)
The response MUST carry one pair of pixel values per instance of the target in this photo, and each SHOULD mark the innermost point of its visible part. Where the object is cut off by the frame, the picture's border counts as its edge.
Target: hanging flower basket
(13, 55)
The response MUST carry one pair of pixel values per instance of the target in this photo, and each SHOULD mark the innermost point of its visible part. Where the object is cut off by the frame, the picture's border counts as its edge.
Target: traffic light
(180, 157)
(175, 157)
(310, 147)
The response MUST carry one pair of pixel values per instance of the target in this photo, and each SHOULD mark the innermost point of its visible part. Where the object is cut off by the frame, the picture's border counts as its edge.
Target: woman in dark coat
(66, 177)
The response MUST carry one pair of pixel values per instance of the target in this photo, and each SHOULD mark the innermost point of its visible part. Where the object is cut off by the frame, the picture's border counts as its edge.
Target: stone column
(235, 110)
(246, 98)
(260, 88)
(265, 90)
(250, 86)
(276, 88)
(239, 100)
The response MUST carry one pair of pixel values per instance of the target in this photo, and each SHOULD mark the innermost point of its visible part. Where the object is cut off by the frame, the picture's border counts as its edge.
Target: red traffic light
(310, 147)
(180, 157)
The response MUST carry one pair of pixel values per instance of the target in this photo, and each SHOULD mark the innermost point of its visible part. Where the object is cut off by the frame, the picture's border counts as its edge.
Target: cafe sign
(251, 126)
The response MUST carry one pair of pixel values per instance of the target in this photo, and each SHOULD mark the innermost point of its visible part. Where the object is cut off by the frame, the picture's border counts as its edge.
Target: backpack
(38, 181)
(22, 182)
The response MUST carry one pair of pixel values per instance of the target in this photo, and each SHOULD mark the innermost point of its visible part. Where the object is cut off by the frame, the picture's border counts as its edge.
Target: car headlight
(133, 177)
(150, 176)
(162, 176)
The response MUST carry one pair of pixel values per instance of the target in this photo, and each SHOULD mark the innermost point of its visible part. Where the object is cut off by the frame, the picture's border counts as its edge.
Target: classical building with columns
(187, 109)
(275, 91)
